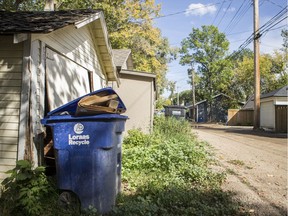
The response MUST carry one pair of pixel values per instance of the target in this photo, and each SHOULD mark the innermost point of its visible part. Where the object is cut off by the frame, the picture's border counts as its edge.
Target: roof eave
(87, 20)
(104, 46)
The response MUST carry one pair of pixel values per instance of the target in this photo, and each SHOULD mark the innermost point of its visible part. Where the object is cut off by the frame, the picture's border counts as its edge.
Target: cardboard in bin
(102, 101)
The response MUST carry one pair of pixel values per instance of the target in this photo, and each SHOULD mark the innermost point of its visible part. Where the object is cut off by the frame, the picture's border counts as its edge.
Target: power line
(278, 18)
(252, 30)
(225, 13)
(237, 41)
(278, 27)
(240, 17)
(274, 25)
(274, 3)
(273, 19)
(181, 12)
(235, 15)
(239, 32)
(218, 12)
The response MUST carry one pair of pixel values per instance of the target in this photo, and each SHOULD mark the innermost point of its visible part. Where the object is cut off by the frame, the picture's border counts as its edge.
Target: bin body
(88, 158)
(176, 111)
(88, 154)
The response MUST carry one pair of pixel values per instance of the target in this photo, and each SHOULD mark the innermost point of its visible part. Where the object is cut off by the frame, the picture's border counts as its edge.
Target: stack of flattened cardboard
(99, 104)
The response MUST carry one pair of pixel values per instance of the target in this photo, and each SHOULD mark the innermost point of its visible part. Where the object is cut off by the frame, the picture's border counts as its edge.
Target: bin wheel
(69, 200)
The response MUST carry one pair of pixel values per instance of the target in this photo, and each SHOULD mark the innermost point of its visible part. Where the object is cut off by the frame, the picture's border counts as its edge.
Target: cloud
(200, 9)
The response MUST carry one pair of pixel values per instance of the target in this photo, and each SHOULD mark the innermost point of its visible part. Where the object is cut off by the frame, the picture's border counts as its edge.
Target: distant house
(273, 110)
(46, 60)
(249, 105)
(137, 91)
(219, 109)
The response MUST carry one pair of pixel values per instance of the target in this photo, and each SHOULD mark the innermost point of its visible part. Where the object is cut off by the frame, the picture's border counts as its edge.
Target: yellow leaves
(130, 26)
(140, 9)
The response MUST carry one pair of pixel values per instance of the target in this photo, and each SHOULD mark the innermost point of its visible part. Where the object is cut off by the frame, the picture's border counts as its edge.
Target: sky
(232, 17)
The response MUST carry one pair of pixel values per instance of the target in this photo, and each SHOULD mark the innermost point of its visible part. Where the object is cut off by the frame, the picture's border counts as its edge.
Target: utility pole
(256, 66)
(191, 73)
(177, 95)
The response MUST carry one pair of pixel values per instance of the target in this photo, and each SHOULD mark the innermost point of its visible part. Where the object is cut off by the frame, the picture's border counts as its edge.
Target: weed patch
(236, 162)
(29, 192)
(166, 173)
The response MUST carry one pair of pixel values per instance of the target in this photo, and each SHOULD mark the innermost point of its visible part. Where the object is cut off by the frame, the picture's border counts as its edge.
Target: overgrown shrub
(166, 173)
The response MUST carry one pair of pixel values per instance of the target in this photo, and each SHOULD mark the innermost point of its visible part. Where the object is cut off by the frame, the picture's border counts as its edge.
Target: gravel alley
(256, 166)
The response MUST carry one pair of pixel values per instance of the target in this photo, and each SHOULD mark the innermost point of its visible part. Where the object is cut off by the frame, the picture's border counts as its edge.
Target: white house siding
(281, 101)
(267, 114)
(66, 80)
(78, 46)
(10, 89)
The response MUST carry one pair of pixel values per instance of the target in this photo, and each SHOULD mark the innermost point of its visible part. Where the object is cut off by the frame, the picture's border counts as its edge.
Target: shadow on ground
(240, 130)
(178, 201)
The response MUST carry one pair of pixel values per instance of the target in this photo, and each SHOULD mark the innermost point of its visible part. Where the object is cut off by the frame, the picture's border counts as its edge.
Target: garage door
(281, 118)
(65, 79)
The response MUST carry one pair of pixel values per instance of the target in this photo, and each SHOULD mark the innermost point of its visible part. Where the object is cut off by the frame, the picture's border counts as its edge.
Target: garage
(273, 110)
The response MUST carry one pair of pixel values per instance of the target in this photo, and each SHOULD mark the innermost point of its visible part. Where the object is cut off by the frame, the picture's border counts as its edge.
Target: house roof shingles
(40, 21)
(281, 92)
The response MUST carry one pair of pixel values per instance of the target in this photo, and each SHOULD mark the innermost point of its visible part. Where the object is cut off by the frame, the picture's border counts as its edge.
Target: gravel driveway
(256, 163)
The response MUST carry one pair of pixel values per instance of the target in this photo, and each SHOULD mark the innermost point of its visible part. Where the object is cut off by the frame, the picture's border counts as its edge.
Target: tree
(273, 69)
(21, 5)
(171, 87)
(185, 97)
(236, 87)
(284, 34)
(273, 75)
(161, 102)
(206, 48)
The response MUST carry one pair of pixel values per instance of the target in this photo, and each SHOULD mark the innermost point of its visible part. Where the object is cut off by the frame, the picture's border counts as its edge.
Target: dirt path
(256, 163)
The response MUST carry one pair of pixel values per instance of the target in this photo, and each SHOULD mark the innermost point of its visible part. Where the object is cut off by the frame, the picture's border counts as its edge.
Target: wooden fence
(281, 118)
(240, 117)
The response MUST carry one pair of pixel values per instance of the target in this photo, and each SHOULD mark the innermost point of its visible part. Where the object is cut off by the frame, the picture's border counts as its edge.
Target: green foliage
(28, 192)
(206, 49)
(25, 189)
(167, 173)
(21, 5)
(273, 74)
(161, 102)
(284, 34)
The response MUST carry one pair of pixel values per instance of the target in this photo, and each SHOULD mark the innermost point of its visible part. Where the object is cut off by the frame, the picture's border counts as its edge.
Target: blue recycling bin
(88, 153)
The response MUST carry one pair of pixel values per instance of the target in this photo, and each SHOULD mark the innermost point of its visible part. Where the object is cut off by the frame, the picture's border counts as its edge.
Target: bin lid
(70, 108)
(68, 118)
